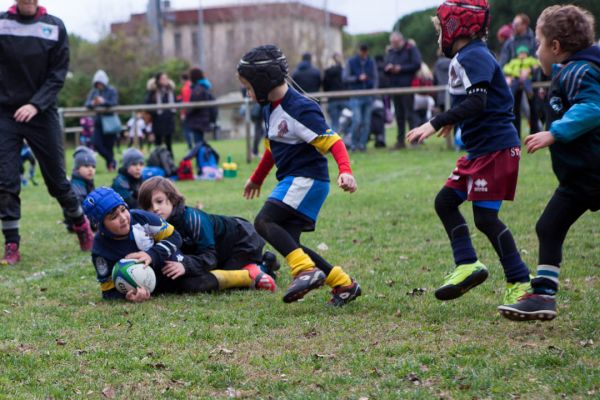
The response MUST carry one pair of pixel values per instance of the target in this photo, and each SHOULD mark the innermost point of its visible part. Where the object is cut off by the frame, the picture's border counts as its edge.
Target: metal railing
(76, 112)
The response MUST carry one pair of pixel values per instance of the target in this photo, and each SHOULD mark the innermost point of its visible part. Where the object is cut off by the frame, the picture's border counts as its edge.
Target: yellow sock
(337, 277)
(299, 261)
(232, 279)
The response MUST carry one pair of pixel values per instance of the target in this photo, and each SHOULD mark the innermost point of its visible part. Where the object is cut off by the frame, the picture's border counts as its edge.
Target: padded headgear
(462, 18)
(100, 202)
(265, 68)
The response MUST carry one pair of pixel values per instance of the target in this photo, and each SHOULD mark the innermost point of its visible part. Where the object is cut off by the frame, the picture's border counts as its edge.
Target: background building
(217, 37)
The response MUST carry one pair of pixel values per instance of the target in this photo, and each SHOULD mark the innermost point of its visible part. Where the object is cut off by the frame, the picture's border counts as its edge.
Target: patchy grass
(59, 340)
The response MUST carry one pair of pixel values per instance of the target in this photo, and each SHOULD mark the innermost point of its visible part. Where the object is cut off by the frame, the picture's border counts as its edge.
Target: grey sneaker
(303, 283)
(530, 307)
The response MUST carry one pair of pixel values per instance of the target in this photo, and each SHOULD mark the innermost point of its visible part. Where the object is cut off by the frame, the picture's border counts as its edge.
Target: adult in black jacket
(199, 120)
(34, 54)
(402, 62)
(306, 76)
(333, 82)
(161, 90)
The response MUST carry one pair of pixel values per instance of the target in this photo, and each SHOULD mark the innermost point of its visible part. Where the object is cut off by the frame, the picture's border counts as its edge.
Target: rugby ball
(130, 274)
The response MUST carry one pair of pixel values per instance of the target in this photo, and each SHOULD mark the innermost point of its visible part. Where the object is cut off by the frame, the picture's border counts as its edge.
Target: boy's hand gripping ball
(129, 274)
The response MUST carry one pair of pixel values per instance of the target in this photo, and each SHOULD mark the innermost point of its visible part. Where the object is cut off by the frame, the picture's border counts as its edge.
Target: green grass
(58, 339)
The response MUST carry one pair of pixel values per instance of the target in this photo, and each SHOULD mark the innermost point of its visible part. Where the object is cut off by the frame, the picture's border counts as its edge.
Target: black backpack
(161, 157)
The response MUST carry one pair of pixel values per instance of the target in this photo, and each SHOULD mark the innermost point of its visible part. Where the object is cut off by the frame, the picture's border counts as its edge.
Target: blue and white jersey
(493, 129)
(298, 136)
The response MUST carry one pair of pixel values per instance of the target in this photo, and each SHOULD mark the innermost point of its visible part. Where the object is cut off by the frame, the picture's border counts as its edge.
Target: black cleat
(303, 283)
(530, 307)
(342, 295)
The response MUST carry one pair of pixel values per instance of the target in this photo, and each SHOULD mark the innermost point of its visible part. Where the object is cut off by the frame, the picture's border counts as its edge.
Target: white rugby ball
(130, 274)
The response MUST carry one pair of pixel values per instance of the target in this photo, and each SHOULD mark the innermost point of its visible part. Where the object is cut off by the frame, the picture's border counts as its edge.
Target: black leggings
(486, 220)
(282, 229)
(560, 213)
(202, 283)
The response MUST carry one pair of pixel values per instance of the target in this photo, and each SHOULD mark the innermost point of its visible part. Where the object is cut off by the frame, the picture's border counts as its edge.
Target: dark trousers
(166, 136)
(404, 109)
(259, 127)
(533, 115)
(104, 144)
(44, 136)
(560, 213)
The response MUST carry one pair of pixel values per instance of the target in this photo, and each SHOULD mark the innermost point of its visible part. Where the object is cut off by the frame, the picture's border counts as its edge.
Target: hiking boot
(261, 280)
(464, 278)
(303, 283)
(530, 307)
(85, 235)
(11, 254)
(514, 291)
(342, 295)
(270, 264)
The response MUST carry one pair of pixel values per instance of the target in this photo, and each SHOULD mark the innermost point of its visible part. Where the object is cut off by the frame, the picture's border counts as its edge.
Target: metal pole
(135, 129)
(327, 51)
(247, 123)
(159, 27)
(200, 35)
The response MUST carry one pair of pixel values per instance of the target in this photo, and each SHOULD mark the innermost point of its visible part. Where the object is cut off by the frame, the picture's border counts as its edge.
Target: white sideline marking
(39, 275)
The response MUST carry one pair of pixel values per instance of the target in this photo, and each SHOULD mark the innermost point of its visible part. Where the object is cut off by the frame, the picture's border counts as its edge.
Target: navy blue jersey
(211, 239)
(149, 233)
(298, 136)
(493, 129)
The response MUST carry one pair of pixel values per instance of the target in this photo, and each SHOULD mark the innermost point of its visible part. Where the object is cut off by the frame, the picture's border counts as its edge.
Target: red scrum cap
(462, 18)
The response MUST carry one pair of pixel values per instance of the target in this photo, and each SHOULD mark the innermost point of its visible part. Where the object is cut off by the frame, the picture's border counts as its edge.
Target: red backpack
(185, 172)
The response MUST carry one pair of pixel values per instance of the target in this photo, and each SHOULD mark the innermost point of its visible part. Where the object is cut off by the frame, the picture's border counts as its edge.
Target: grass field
(58, 339)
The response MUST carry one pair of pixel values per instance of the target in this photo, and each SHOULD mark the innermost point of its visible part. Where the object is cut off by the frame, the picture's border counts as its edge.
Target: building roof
(212, 15)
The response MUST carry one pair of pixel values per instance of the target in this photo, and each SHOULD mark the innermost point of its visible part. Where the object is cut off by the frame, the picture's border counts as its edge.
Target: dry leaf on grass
(108, 392)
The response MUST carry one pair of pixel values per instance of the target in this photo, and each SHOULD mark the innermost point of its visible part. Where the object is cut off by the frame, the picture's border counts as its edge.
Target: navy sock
(487, 221)
(462, 248)
(515, 269)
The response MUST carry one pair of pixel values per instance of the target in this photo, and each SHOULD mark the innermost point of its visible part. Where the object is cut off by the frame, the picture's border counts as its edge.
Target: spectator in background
(136, 127)
(199, 120)
(184, 96)
(332, 82)
(161, 90)
(101, 96)
(504, 33)
(307, 77)
(519, 72)
(523, 36)
(440, 77)
(87, 131)
(424, 102)
(361, 73)
(402, 62)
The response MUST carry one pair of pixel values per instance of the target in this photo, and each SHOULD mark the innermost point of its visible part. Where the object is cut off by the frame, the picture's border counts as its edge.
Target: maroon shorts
(489, 177)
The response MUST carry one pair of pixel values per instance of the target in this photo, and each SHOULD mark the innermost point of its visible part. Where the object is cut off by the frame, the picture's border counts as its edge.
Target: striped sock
(546, 281)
